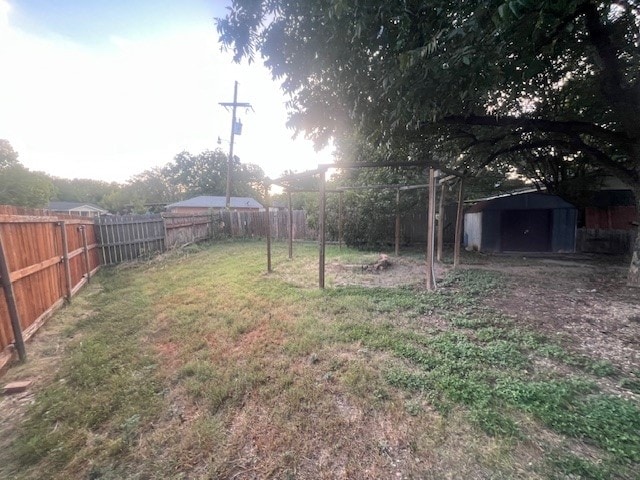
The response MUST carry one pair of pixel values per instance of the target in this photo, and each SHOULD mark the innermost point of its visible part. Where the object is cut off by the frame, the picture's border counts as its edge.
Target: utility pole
(235, 104)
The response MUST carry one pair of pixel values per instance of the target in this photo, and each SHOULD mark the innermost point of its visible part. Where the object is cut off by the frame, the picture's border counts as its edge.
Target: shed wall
(563, 233)
(473, 230)
(491, 220)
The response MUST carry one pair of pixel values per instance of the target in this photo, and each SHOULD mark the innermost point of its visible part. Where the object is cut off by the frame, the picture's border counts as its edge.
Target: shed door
(526, 230)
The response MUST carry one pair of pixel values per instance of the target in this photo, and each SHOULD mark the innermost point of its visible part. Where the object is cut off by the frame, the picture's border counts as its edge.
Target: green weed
(631, 384)
(566, 465)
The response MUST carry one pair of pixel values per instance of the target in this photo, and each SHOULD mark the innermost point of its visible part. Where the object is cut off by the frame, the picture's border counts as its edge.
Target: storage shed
(524, 222)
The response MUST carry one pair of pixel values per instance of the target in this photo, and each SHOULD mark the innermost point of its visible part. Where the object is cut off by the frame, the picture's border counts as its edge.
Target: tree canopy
(83, 190)
(206, 174)
(187, 175)
(19, 185)
(8, 156)
(488, 79)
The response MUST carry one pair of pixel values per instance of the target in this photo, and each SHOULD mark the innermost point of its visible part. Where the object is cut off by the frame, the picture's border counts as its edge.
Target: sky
(107, 89)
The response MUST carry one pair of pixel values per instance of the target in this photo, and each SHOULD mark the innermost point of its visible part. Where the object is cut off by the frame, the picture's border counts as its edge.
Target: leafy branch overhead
(510, 76)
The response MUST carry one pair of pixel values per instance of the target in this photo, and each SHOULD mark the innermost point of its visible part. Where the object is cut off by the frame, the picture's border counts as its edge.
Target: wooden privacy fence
(181, 229)
(123, 238)
(590, 240)
(254, 224)
(44, 260)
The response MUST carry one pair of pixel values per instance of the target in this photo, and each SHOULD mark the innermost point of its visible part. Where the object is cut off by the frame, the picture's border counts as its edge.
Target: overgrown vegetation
(199, 365)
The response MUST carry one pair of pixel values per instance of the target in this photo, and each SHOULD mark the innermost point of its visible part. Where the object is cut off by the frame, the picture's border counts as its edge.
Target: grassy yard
(200, 365)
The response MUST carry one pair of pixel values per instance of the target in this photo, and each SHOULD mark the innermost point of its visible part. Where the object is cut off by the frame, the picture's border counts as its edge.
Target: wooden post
(397, 222)
(102, 240)
(290, 225)
(340, 219)
(108, 230)
(268, 230)
(164, 242)
(459, 222)
(65, 259)
(440, 244)
(321, 227)
(85, 248)
(9, 295)
(431, 218)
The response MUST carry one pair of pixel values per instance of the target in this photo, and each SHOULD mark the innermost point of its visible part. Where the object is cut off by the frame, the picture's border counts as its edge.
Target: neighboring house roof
(74, 206)
(205, 201)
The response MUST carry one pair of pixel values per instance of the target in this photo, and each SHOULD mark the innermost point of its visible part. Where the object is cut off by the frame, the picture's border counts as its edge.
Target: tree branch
(576, 145)
(630, 176)
(521, 147)
(626, 101)
(535, 124)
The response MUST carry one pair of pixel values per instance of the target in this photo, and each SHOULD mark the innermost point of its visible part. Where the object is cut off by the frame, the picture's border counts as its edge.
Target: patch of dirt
(402, 271)
(586, 304)
(582, 300)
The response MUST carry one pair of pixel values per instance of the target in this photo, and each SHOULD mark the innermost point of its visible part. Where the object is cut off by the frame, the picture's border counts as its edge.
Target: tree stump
(381, 264)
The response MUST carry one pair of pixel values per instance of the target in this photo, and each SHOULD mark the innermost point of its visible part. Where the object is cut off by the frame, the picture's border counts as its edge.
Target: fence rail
(46, 259)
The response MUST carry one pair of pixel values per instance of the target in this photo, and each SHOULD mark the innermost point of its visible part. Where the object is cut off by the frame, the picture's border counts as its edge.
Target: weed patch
(200, 365)
(479, 364)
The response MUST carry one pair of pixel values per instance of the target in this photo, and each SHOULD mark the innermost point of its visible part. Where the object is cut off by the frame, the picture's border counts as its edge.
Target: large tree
(478, 82)
(206, 174)
(8, 156)
(83, 190)
(18, 185)
(21, 187)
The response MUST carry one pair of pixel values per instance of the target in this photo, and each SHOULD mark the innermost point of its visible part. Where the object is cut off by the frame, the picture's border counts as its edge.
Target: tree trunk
(633, 278)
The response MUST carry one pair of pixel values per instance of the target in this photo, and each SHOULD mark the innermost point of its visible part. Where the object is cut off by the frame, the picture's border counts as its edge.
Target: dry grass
(241, 375)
